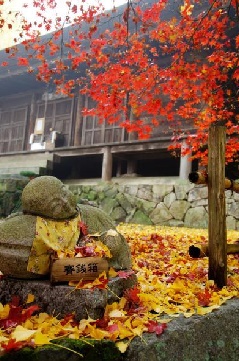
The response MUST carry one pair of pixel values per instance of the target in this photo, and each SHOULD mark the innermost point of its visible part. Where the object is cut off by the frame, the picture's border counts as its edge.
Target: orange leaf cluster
(145, 67)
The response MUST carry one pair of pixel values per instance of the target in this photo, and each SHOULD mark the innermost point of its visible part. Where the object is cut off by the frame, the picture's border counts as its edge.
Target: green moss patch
(68, 350)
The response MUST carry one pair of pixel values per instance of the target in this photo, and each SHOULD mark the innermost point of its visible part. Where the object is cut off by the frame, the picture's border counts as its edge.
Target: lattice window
(58, 116)
(12, 126)
(95, 133)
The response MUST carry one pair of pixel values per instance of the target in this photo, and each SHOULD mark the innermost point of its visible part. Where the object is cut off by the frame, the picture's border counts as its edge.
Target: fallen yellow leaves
(170, 283)
(22, 334)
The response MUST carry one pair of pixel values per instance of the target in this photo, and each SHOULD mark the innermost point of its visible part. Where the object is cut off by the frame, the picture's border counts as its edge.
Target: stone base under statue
(60, 300)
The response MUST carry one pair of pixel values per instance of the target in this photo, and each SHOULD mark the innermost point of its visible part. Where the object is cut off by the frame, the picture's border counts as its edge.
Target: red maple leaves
(143, 70)
(17, 314)
(83, 228)
(155, 327)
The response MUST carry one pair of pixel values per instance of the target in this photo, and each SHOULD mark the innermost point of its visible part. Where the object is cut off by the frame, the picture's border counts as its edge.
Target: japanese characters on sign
(75, 269)
(80, 268)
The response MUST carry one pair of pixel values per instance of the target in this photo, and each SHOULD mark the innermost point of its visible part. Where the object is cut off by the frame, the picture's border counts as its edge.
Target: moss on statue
(99, 222)
(47, 196)
(21, 228)
(67, 349)
(16, 237)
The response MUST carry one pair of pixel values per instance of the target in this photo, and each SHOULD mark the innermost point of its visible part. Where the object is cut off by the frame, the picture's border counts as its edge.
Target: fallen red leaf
(83, 228)
(133, 300)
(70, 318)
(102, 322)
(125, 274)
(12, 345)
(204, 298)
(155, 327)
(17, 314)
(28, 312)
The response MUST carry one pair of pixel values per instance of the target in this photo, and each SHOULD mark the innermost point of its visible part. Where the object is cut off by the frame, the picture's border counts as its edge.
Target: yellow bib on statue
(51, 235)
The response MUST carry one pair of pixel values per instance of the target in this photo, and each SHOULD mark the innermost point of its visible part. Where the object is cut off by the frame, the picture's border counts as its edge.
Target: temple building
(46, 133)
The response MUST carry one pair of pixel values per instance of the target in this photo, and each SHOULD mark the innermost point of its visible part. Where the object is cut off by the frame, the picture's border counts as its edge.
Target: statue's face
(61, 203)
(48, 196)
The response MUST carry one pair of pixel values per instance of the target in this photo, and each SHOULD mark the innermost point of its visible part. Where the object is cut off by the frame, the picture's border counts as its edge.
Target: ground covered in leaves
(170, 283)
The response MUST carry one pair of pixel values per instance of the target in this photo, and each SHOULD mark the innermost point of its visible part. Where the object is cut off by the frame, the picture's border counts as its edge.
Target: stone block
(169, 199)
(213, 337)
(198, 193)
(59, 300)
(108, 204)
(181, 190)
(233, 210)
(21, 183)
(145, 192)
(140, 218)
(130, 216)
(175, 223)
(74, 189)
(124, 202)
(101, 196)
(161, 190)
(179, 208)
(196, 218)
(11, 185)
(200, 202)
(85, 189)
(111, 192)
(160, 214)
(92, 195)
(228, 194)
(131, 189)
(118, 214)
(8, 202)
(2, 185)
(62, 299)
(230, 222)
(147, 206)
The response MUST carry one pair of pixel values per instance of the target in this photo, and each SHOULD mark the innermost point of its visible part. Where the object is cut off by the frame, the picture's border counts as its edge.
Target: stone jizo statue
(50, 219)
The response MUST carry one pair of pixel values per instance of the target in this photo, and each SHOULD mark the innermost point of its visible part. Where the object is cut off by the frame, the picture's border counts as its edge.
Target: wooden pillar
(131, 166)
(119, 168)
(107, 165)
(216, 206)
(30, 123)
(185, 163)
(78, 119)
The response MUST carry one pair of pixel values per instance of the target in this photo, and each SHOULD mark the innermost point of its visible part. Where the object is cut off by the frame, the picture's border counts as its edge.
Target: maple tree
(146, 65)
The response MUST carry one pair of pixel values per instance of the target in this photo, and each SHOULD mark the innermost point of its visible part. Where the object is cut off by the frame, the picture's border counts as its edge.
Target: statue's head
(48, 196)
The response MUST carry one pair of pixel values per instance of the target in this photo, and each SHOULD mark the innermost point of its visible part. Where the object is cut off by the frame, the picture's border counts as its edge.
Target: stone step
(18, 170)
(14, 164)
(27, 157)
(63, 299)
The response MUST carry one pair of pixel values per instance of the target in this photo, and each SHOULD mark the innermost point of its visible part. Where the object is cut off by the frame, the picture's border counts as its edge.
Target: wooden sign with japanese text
(78, 268)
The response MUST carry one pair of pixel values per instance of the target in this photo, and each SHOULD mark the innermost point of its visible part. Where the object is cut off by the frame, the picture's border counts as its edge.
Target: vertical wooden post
(107, 165)
(131, 166)
(29, 125)
(185, 163)
(216, 206)
(78, 120)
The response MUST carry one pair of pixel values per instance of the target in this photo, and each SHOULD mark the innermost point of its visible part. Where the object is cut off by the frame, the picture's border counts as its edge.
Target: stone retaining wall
(175, 203)
(10, 193)
(178, 204)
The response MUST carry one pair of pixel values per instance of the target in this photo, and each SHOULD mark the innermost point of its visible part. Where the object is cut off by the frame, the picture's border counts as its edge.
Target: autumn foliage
(149, 66)
(170, 284)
